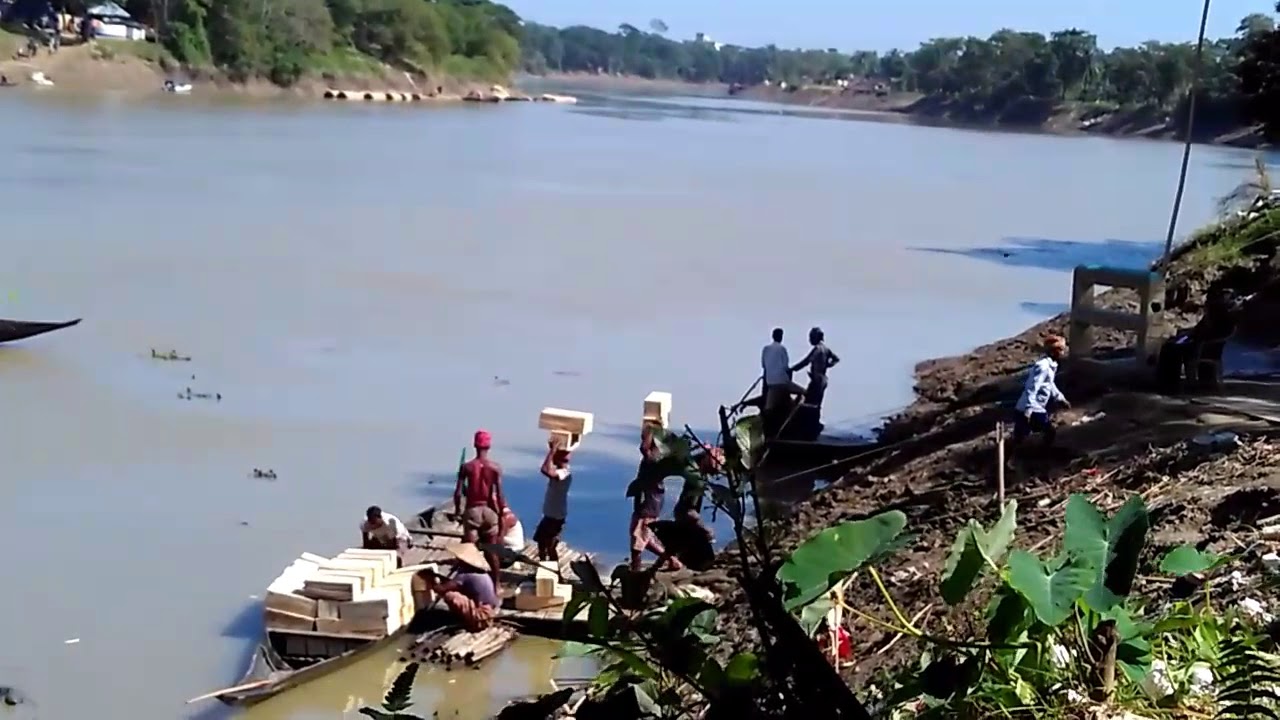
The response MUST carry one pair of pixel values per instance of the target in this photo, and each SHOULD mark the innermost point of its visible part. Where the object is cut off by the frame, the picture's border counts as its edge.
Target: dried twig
(916, 621)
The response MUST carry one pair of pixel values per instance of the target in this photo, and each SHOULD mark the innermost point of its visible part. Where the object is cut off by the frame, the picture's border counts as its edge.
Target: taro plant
(1057, 629)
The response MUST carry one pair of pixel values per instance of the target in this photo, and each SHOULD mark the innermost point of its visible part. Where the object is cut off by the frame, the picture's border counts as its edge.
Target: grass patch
(467, 68)
(1229, 243)
(155, 53)
(346, 61)
(9, 43)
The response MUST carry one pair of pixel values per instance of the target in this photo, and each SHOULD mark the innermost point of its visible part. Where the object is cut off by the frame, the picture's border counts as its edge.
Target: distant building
(112, 21)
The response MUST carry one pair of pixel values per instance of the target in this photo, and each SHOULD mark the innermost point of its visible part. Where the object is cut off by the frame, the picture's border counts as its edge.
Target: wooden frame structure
(1085, 315)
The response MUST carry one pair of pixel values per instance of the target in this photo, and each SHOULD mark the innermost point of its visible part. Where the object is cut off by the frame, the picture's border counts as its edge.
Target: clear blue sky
(880, 25)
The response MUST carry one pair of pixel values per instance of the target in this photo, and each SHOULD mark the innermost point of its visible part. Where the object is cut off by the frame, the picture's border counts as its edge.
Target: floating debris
(189, 394)
(72, 641)
(500, 382)
(267, 474)
(11, 696)
(171, 356)
(566, 373)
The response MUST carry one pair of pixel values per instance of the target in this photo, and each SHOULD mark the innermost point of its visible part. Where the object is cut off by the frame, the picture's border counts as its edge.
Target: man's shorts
(482, 520)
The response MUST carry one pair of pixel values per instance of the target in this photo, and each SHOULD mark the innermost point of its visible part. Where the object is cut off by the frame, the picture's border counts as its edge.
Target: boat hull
(271, 673)
(11, 330)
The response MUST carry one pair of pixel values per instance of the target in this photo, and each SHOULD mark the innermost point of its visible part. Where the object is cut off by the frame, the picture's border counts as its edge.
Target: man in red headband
(480, 483)
(555, 503)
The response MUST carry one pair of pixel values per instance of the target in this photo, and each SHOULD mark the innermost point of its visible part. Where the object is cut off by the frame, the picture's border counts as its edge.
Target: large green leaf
(748, 434)
(1186, 560)
(1052, 594)
(830, 556)
(814, 613)
(1008, 616)
(1110, 547)
(974, 549)
(743, 668)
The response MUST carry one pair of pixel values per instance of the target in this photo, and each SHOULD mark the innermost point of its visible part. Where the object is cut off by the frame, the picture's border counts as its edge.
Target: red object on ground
(844, 643)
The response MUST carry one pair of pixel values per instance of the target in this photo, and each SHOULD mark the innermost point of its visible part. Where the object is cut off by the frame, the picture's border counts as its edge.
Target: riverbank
(1118, 438)
(137, 68)
(1060, 119)
(1054, 118)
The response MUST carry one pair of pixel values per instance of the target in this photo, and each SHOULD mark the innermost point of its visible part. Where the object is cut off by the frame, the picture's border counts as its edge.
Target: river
(366, 285)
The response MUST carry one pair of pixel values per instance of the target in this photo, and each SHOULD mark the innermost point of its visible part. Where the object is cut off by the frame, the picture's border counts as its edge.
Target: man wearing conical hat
(1040, 394)
(470, 594)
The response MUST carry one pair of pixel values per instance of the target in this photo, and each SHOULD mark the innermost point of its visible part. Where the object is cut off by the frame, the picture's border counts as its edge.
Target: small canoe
(11, 330)
(271, 673)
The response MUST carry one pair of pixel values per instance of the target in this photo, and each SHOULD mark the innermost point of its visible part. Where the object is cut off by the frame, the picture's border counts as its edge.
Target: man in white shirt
(513, 531)
(384, 531)
(1040, 394)
(778, 388)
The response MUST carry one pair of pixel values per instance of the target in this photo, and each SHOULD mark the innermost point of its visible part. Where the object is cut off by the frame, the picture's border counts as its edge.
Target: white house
(109, 20)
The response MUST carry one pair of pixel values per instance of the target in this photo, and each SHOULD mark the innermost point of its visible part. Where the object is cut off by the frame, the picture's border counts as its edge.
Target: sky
(861, 25)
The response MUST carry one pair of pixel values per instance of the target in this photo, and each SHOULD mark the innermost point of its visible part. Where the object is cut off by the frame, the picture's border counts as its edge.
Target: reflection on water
(526, 668)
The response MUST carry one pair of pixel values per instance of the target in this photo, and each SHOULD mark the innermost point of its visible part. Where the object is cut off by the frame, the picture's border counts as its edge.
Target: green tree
(1011, 76)
(1077, 55)
(1259, 74)
(284, 39)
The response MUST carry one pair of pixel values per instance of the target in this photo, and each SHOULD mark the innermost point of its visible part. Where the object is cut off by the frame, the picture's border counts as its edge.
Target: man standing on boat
(480, 483)
(555, 502)
(384, 531)
(776, 388)
(819, 360)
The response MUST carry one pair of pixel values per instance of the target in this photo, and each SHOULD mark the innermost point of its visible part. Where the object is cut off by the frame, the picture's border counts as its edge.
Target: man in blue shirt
(1040, 395)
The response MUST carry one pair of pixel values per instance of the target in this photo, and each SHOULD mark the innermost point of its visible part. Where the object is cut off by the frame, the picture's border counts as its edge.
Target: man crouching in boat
(470, 594)
(384, 531)
(480, 483)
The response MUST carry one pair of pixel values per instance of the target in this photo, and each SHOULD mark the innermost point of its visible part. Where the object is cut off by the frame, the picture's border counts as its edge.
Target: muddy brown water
(365, 286)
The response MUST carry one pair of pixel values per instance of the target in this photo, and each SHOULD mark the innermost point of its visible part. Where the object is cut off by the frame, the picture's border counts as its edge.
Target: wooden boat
(271, 672)
(11, 330)
(286, 659)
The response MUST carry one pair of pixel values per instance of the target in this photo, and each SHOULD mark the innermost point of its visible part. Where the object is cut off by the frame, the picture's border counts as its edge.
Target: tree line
(1011, 75)
(283, 39)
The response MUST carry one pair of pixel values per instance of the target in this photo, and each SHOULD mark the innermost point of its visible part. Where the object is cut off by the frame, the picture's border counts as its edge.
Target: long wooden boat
(286, 659)
(11, 330)
(272, 672)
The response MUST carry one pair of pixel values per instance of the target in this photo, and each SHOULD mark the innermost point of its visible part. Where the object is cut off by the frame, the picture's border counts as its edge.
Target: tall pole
(1186, 144)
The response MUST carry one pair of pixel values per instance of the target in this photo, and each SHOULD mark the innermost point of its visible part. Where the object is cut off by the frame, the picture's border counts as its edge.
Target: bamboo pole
(234, 688)
(1197, 71)
(1000, 464)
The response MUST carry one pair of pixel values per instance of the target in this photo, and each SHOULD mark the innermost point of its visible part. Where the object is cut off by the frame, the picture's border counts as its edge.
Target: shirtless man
(480, 484)
(819, 360)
